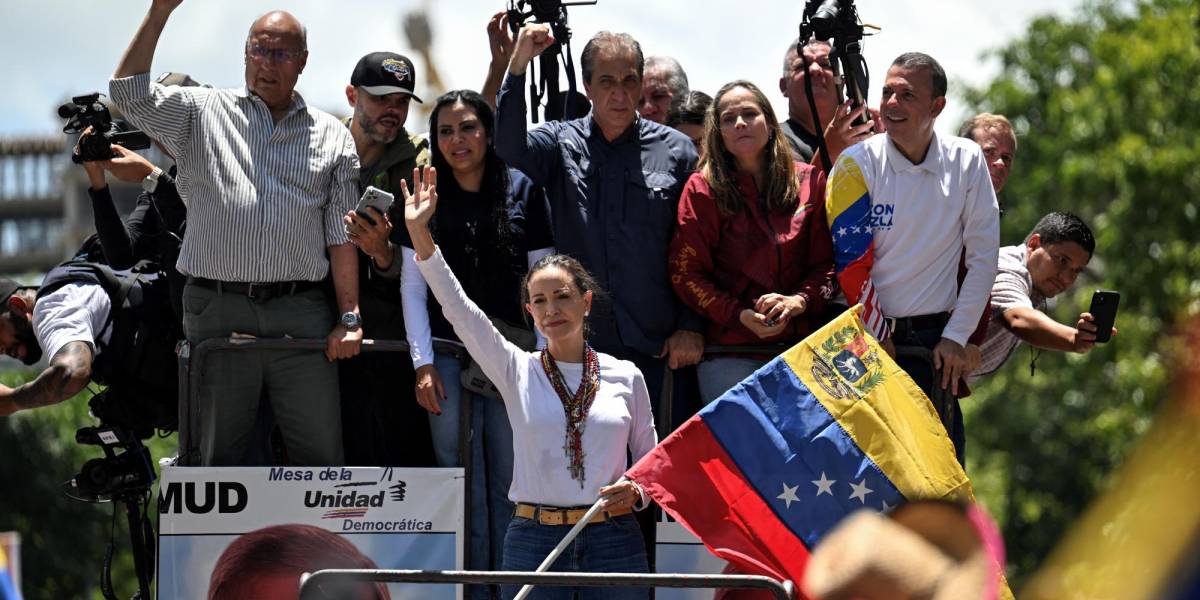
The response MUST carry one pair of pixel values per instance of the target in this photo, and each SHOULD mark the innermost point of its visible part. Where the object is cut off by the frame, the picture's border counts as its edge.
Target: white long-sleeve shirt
(911, 224)
(619, 419)
(413, 295)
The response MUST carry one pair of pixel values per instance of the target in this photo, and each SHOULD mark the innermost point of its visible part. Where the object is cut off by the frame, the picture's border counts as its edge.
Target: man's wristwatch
(150, 183)
(351, 321)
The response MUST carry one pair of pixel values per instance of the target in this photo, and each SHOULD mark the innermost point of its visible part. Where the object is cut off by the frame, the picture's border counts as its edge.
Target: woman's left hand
(778, 308)
(622, 494)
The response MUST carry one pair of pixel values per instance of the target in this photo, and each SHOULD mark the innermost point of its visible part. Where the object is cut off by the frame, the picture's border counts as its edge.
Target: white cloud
(56, 48)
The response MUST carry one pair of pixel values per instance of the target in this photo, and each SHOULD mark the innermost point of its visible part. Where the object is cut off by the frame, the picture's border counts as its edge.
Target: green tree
(1107, 110)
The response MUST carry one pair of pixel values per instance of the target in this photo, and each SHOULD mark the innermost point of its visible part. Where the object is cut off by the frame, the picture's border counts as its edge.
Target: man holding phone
(1044, 266)
(381, 421)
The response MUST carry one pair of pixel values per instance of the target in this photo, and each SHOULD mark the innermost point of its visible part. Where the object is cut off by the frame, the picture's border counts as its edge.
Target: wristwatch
(150, 183)
(351, 321)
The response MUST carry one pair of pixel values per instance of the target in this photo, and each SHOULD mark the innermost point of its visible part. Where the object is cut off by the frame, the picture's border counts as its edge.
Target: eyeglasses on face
(277, 55)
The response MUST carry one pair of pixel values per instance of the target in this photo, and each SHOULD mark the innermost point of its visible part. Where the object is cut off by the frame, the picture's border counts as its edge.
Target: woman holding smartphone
(575, 413)
(752, 252)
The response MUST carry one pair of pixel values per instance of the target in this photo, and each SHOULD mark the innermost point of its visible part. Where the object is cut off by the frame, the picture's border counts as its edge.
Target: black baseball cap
(382, 73)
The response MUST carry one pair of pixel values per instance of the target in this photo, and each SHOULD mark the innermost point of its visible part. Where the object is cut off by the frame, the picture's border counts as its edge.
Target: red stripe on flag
(692, 478)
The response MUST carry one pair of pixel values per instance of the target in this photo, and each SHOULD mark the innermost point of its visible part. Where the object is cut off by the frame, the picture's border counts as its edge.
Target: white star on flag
(789, 495)
(886, 506)
(860, 491)
(842, 232)
(824, 485)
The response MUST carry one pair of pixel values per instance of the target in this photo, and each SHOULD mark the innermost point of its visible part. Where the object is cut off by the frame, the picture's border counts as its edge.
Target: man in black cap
(382, 422)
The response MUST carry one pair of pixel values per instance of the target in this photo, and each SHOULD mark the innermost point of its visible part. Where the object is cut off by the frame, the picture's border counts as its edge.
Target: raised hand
(500, 40)
(531, 41)
(419, 206)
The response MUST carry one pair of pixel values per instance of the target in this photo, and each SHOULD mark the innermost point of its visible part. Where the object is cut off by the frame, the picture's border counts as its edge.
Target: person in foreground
(600, 404)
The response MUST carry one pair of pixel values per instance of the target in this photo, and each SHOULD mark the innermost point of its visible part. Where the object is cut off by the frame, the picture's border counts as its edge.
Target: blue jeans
(614, 546)
(718, 375)
(491, 464)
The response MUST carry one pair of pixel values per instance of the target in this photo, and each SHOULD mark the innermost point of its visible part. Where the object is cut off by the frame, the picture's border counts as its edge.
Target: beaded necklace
(576, 406)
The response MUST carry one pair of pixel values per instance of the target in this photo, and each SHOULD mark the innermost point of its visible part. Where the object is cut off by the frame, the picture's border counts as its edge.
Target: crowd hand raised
(779, 308)
(622, 494)
(756, 322)
(950, 358)
(683, 348)
(372, 239)
(532, 40)
(843, 133)
(421, 203)
(430, 391)
(165, 5)
(342, 343)
(500, 39)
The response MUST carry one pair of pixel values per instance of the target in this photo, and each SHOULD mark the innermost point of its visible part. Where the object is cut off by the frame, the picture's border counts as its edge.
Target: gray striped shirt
(264, 199)
(1013, 289)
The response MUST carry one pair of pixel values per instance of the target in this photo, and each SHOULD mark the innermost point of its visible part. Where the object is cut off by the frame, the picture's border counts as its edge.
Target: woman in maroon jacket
(752, 252)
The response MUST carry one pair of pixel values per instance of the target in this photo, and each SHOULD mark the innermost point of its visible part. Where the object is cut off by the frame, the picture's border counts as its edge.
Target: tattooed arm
(68, 373)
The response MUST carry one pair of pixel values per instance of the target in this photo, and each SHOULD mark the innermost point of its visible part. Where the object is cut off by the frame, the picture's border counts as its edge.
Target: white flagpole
(562, 546)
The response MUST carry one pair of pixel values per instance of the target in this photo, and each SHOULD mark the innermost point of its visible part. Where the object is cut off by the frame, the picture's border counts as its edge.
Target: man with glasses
(266, 179)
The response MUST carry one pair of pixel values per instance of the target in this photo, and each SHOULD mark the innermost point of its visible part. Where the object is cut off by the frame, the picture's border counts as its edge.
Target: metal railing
(309, 584)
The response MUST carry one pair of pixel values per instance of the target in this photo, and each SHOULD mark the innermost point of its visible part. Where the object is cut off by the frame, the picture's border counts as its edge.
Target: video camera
(84, 111)
(837, 22)
(125, 469)
(554, 13)
(124, 475)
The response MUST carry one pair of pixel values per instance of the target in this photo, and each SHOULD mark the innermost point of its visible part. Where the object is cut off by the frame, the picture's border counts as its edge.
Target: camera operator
(71, 316)
(613, 180)
(813, 63)
(153, 230)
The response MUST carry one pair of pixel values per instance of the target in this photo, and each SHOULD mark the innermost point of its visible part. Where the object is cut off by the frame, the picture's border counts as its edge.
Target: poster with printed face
(676, 550)
(251, 531)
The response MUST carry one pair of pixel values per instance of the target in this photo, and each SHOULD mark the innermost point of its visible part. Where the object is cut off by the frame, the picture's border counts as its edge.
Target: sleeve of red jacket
(848, 207)
(691, 255)
(817, 286)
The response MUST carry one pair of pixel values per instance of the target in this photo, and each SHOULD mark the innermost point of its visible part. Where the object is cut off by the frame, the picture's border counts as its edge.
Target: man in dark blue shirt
(613, 180)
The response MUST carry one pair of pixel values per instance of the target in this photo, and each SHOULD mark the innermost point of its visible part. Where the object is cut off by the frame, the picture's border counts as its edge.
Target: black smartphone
(1104, 313)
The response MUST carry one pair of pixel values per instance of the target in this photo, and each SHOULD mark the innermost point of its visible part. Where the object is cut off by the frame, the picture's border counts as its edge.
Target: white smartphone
(375, 198)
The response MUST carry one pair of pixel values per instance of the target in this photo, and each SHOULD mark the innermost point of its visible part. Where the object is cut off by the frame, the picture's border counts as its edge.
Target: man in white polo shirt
(904, 208)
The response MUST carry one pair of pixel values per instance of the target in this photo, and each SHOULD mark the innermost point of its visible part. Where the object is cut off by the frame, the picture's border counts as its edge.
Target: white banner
(676, 550)
(397, 518)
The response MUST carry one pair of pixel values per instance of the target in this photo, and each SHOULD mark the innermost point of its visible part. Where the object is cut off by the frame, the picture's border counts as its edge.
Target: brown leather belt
(549, 515)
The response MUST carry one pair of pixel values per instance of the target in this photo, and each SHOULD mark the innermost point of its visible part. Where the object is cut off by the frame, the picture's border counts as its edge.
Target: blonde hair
(719, 169)
(986, 121)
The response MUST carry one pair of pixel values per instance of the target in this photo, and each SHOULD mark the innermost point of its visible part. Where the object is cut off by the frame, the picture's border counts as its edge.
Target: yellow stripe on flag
(882, 410)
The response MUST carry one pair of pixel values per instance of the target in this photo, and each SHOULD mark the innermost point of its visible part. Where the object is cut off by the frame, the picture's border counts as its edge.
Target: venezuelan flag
(8, 590)
(831, 426)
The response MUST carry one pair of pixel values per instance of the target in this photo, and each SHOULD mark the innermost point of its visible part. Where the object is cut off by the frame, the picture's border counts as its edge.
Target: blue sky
(57, 48)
